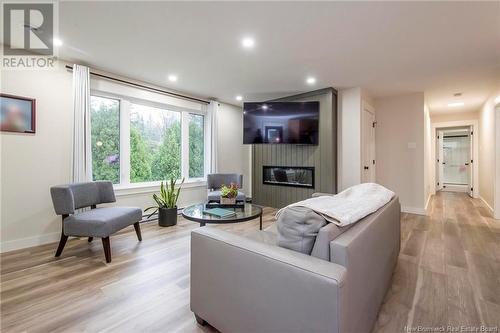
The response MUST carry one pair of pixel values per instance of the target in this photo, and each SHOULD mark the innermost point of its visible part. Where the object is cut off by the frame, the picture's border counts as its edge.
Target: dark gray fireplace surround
(321, 159)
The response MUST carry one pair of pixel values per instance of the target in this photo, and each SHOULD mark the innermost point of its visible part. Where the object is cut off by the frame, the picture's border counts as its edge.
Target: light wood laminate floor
(448, 274)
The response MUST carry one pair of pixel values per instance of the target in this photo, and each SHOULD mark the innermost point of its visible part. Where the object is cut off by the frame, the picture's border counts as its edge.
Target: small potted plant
(228, 194)
(166, 204)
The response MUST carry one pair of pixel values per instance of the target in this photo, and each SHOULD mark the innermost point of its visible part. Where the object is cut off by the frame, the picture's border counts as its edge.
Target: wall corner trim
(487, 206)
(428, 202)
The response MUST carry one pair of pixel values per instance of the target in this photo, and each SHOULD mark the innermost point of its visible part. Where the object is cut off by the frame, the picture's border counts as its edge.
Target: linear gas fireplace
(288, 176)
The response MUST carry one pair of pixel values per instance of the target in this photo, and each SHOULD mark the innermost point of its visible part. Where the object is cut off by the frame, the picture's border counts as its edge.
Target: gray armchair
(96, 222)
(216, 180)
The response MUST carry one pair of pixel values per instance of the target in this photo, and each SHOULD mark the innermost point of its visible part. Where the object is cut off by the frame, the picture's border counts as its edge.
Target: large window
(154, 145)
(105, 138)
(196, 146)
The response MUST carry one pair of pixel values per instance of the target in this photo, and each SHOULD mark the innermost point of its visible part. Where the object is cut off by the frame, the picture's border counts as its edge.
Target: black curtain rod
(145, 87)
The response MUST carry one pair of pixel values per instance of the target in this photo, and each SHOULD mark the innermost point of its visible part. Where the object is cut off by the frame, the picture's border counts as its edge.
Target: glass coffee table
(246, 213)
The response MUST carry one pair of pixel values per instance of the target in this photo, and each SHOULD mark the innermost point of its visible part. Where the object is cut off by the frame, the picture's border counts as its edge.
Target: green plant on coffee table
(167, 198)
(230, 191)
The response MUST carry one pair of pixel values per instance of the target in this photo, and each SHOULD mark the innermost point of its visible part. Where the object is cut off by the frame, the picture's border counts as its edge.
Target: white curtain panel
(81, 127)
(213, 109)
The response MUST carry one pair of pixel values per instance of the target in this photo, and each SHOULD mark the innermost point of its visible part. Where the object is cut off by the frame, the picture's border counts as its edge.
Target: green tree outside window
(105, 138)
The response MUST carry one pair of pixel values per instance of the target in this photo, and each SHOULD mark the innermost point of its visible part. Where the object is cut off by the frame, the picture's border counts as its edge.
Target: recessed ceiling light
(172, 78)
(239, 98)
(248, 42)
(455, 104)
(264, 106)
(311, 80)
(57, 42)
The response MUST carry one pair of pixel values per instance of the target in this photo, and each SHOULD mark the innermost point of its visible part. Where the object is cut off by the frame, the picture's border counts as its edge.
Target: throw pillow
(298, 228)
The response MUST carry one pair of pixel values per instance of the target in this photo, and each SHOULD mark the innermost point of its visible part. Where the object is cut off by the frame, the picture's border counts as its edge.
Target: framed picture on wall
(17, 114)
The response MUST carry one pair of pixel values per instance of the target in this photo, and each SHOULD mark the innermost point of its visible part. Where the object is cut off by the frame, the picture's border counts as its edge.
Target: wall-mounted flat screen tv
(281, 123)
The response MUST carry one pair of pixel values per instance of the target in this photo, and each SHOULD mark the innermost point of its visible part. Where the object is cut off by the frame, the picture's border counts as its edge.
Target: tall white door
(454, 160)
(368, 145)
(470, 163)
(439, 160)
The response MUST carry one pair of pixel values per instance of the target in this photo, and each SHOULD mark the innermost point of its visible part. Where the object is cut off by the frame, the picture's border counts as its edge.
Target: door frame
(465, 188)
(373, 167)
(496, 172)
(438, 159)
(475, 147)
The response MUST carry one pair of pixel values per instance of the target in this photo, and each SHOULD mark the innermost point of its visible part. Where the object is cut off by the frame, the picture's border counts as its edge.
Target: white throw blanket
(350, 205)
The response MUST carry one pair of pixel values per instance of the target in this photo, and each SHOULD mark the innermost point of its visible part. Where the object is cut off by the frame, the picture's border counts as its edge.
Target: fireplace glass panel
(289, 176)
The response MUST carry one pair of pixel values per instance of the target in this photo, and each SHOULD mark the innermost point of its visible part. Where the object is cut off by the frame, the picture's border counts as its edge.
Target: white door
(439, 160)
(368, 148)
(470, 162)
(455, 172)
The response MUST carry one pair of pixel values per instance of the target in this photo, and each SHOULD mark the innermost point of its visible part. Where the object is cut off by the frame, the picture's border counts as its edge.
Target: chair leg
(62, 242)
(137, 228)
(91, 239)
(107, 249)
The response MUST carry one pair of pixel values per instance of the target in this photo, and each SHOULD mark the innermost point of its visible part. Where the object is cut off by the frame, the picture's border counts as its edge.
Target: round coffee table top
(195, 213)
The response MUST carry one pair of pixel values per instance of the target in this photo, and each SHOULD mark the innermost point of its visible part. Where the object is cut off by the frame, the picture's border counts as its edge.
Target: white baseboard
(22, 243)
(487, 206)
(428, 202)
(413, 210)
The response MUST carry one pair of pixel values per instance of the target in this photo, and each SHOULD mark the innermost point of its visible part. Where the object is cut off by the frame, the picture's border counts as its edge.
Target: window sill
(145, 188)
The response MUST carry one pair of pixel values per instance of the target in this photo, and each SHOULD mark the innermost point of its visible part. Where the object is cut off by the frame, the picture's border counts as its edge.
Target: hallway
(449, 268)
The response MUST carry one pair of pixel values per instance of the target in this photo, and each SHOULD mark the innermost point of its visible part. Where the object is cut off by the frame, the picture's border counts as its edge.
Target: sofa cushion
(215, 196)
(101, 222)
(298, 228)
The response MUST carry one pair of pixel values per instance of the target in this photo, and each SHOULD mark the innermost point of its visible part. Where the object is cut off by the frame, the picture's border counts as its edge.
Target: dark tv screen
(281, 123)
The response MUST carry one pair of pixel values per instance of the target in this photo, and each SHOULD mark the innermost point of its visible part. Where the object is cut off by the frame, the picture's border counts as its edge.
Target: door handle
(466, 163)
(366, 168)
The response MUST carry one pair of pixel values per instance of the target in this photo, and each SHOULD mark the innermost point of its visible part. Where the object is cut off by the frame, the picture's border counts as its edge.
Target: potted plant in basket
(166, 204)
(228, 194)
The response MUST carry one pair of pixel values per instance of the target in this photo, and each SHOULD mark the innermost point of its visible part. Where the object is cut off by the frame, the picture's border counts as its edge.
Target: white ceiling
(387, 48)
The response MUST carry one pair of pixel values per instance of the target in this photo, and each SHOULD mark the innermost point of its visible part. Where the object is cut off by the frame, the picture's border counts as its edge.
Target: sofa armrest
(241, 285)
(369, 250)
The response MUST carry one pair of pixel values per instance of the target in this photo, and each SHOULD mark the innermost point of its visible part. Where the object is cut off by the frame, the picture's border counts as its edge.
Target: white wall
(233, 156)
(349, 158)
(487, 152)
(31, 164)
(400, 148)
(428, 158)
(349, 138)
(454, 116)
